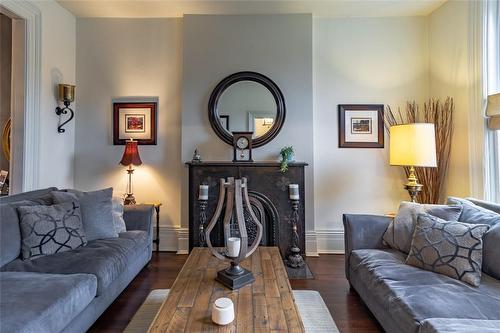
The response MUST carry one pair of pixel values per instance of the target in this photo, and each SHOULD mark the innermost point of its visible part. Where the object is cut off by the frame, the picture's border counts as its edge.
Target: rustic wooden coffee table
(267, 305)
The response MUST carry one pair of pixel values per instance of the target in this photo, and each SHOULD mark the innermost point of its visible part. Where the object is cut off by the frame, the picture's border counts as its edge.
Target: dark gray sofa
(406, 299)
(68, 291)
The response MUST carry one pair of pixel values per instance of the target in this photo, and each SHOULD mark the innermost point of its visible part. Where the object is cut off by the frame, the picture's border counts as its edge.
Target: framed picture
(134, 121)
(361, 126)
(4, 174)
(224, 121)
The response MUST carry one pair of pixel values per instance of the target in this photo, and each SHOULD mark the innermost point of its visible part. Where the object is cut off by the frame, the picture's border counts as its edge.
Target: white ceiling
(177, 8)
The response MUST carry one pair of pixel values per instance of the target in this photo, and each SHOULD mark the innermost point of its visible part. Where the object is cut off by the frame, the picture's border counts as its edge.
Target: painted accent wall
(278, 46)
(58, 66)
(449, 76)
(123, 58)
(361, 61)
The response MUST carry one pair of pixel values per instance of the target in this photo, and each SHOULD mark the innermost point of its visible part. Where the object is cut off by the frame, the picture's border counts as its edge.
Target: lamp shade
(131, 154)
(413, 145)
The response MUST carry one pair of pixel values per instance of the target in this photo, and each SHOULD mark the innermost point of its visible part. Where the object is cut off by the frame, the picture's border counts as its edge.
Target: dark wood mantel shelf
(246, 164)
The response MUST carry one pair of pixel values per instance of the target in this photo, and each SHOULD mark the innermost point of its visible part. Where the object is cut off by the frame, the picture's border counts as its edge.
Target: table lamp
(413, 145)
(130, 157)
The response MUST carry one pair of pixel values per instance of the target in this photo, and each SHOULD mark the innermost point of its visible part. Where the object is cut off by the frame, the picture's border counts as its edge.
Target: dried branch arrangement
(441, 114)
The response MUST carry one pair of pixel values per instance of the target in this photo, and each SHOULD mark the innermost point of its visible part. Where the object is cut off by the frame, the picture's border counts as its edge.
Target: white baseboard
(330, 241)
(176, 239)
(173, 239)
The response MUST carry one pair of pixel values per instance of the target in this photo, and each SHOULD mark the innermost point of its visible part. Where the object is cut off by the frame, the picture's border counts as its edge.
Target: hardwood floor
(347, 309)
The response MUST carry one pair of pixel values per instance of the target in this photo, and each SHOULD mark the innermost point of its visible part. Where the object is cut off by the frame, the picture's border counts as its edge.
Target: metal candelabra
(203, 220)
(295, 260)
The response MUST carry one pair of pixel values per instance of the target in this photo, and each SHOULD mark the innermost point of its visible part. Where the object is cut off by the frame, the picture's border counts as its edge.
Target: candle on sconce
(203, 195)
(294, 191)
(233, 246)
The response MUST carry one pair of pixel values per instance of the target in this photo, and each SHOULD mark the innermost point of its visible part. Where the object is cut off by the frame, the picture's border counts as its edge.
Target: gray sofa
(68, 291)
(406, 299)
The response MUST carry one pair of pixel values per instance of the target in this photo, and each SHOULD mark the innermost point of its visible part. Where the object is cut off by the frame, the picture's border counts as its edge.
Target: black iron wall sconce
(67, 96)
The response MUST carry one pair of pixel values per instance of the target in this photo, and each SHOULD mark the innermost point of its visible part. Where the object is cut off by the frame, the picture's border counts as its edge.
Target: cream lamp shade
(412, 145)
(493, 111)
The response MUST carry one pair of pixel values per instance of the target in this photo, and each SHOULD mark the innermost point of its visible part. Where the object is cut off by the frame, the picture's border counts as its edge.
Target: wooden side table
(157, 206)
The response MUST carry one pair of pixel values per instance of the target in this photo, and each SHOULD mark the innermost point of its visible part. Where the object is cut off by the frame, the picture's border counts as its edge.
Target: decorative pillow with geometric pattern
(454, 249)
(50, 229)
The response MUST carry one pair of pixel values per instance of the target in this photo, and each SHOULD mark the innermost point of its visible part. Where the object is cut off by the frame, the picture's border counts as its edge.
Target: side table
(157, 206)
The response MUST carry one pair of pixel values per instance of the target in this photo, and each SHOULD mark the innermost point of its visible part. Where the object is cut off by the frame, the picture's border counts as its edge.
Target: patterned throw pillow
(50, 229)
(454, 249)
(399, 233)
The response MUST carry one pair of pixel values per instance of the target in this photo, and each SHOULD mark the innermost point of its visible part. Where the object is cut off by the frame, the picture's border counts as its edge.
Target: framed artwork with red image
(134, 120)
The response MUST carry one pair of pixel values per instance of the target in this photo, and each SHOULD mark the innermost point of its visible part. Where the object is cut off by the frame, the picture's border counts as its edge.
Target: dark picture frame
(136, 133)
(361, 124)
(225, 121)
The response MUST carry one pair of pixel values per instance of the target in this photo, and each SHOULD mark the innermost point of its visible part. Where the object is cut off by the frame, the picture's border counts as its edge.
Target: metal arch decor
(213, 115)
(233, 193)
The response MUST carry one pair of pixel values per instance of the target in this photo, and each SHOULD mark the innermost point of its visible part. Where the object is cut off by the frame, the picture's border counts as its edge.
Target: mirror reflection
(247, 106)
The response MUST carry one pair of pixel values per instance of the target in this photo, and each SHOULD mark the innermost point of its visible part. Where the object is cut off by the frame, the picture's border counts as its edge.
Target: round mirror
(247, 101)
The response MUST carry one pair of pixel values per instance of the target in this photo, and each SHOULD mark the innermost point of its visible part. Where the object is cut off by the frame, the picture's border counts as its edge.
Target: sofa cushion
(42, 196)
(42, 303)
(118, 221)
(104, 258)
(494, 207)
(10, 232)
(458, 325)
(472, 213)
(412, 295)
(399, 233)
(50, 229)
(454, 249)
(97, 211)
(491, 252)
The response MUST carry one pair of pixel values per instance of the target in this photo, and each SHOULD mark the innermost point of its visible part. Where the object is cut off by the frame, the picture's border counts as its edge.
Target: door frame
(32, 85)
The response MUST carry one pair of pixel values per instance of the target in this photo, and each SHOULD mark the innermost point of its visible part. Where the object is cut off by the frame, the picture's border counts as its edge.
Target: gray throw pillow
(454, 249)
(400, 232)
(50, 229)
(118, 220)
(474, 214)
(97, 211)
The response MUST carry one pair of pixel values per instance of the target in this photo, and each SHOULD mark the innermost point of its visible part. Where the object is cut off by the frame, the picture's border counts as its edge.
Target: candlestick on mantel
(203, 194)
(233, 247)
(294, 191)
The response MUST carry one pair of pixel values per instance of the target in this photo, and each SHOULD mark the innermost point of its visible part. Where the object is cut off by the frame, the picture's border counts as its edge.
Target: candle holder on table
(233, 193)
(295, 260)
(202, 202)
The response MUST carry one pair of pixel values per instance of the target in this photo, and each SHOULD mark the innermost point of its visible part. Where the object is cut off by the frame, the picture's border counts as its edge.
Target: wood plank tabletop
(267, 305)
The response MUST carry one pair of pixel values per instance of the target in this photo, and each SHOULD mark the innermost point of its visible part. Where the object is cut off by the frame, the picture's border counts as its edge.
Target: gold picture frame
(6, 139)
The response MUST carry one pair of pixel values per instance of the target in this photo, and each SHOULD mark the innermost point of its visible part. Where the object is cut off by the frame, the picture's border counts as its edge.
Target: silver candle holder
(295, 260)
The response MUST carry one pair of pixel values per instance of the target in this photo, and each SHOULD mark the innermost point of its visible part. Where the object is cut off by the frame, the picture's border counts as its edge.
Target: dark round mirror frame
(247, 76)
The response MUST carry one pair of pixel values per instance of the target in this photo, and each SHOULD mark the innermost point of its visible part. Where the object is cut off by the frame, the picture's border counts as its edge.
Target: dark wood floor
(348, 311)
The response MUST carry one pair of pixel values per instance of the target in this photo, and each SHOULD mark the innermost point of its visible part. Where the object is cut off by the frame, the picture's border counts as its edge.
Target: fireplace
(269, 198)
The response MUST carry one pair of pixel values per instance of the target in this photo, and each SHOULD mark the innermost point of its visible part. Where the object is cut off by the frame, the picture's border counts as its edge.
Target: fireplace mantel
(265, 183)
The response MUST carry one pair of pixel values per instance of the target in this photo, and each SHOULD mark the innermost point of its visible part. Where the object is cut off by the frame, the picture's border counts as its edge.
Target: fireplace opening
(266, 213)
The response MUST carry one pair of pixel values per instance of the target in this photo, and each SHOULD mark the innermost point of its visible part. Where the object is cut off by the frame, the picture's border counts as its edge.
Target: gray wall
(278, 46)
(126, 58)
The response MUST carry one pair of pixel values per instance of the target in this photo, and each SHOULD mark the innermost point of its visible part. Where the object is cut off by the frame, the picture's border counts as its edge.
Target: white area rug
(312, 308)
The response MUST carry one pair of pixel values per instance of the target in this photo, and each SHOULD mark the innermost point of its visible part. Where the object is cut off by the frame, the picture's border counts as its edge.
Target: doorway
(20, 71)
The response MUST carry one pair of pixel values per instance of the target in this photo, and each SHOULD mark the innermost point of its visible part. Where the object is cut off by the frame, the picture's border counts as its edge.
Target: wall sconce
(66, 95)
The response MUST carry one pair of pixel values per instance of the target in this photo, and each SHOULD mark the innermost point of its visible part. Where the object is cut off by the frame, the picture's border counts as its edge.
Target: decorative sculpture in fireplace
(234, 194)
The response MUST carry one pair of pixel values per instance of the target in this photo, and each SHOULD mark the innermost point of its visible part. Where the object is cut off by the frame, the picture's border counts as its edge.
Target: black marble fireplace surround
(268, 192)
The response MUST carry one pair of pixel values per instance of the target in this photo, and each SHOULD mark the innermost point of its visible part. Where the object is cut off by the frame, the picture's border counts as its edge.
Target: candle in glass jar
(203, 195)
(233, 247)
(294, 191)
